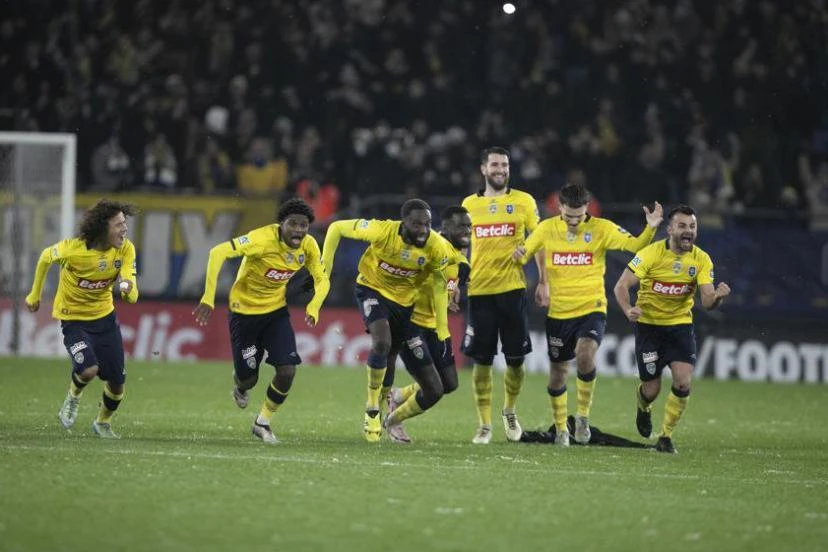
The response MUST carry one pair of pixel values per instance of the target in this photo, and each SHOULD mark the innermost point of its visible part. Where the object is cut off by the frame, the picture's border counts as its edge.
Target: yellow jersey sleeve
(129, 271)
(617, 238)
(247, 244)
(321, 282)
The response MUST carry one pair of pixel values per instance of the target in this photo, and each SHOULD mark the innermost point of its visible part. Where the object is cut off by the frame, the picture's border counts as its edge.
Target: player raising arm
(575, 246)
(402, 256)
(259, 317)
(667, 274)
(90, 267)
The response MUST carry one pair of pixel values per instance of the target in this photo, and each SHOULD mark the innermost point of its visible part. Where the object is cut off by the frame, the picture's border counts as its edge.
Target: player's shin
(376, 374)
(110, 402)
(673, 409)
(77, 385)
(482, 380)
(585, 386)
(557, 400)
(512, 384)
(274, 398)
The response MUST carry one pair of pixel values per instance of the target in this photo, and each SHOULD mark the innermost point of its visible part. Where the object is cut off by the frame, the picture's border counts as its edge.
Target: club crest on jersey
(587, 237)
(493, 208)
(117, 264)
(301, 258)
(405, 254)
(102, 265)
(289, 257)
(420, 261)
(510, 208)
(677, 267)
(692, 271)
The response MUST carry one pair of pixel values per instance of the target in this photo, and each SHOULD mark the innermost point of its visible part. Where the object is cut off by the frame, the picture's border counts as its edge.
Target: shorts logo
(416, 346)
(493, 208)
(368, 305)
(75, 347)
(677, 267)
(554, 352)
(572, 259)
(117, 264)
(398, 271)
(651, 356)
(279, 275)
(94, 284)
(673, 289)
(691, 271)
(244, 240)
(555, 342)
(651, 368)
(468, 337)
(251, 363)
(249, 352)
(102, 265)
(502, 230)
(78, 358)
(510, 208)
(587, 237)
(635, 262)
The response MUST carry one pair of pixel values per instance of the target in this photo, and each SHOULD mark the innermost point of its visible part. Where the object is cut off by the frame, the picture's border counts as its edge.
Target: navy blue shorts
(436, 351)
(490, 316)
(658, 346)
(373, 306)
(253, 334)
(562, 334)
(96, 343)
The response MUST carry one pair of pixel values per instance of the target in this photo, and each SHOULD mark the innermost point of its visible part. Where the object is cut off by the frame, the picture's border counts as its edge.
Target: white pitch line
(339, 462)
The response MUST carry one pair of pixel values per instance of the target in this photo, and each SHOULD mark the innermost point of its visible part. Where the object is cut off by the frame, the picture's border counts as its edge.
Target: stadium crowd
(716, 103)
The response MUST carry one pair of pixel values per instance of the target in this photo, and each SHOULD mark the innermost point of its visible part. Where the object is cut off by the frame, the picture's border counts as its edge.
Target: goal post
(37, 191)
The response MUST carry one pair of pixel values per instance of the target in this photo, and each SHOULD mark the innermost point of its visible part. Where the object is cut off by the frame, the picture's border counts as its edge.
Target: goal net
(37, 208)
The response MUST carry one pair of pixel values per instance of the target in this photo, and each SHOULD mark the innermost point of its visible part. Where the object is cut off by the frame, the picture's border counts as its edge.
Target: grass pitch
(752, 473)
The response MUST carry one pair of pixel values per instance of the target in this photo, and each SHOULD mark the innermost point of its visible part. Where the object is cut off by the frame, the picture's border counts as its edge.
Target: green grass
(752, 473)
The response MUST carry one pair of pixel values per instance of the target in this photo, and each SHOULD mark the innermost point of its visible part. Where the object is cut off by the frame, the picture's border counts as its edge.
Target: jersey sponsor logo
(397, 270)
(503, 230)
(94, 284)
(672, 289)
(279, 275)
(572, 259)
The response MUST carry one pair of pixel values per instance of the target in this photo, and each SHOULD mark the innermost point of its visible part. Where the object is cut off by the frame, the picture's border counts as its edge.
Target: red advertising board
(157, 330)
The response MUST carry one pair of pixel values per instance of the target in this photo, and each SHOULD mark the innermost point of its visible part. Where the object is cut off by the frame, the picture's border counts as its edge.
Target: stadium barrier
(157, 331)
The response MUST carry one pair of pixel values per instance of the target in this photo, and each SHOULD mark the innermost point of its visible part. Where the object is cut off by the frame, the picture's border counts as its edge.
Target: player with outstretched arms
(402, 256)
(575, 246)
(667, 274)
(259, 318)
(101, 259)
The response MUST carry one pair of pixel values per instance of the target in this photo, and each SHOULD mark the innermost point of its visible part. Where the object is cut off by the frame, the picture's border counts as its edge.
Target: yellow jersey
(87, 277)
(389, 266)
(268, 264)
(499, 225)
(668, 282)
(424, 314)
(576, 263)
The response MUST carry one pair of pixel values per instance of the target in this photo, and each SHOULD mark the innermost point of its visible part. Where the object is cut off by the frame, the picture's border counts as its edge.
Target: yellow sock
(109, 404)
(76, 386)
(375, 377)
(673, 409)
(643, 404)
(408, 409)
(273, 400)
(585, 386)
(557, 400)
(512, 382)
(482, 380)
(408, 391)
(383, 399)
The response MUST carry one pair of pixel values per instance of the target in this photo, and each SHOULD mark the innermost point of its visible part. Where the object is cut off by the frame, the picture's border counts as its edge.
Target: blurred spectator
(110, 166)
(215, 170)
(324, 199)
(260, 174)
(816, 191)
(160, 164)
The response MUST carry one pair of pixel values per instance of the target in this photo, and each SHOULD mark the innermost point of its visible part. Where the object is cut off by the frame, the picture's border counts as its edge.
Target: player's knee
(286, 372)
(88, 373)
(381, 346)
(248, 382)
(432, 392)
(484, 360)
(514, 361)
(115, 389)
(449, 385)
(681, 389)
(584, 361)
